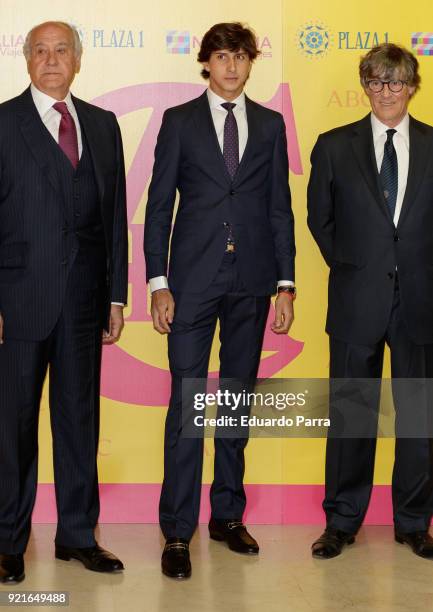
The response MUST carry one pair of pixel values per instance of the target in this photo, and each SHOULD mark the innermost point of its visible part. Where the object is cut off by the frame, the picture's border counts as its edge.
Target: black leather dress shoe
(235, 534)
(175, 561)
(421, 542)
(11, 568)
(331, 542)
(94, 558)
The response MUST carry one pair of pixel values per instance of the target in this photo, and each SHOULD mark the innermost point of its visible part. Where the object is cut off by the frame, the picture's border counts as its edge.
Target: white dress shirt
(51, 119)
(401, 146)
(219, 115)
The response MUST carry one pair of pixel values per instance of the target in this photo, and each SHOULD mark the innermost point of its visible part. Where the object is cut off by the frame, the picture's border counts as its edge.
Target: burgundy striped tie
(68, 141)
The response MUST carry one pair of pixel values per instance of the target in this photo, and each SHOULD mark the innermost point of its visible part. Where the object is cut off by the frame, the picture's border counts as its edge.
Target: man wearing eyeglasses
(370, 210)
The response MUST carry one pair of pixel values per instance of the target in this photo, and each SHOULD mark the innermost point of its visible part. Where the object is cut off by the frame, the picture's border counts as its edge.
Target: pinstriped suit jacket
(33, 222)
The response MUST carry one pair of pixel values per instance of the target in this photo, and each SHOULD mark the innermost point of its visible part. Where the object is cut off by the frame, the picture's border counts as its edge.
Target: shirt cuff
(158, 282)
(118, 303)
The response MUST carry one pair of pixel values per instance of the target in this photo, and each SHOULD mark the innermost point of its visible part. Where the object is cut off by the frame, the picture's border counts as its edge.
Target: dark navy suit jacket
(256, 202)
(350, 221)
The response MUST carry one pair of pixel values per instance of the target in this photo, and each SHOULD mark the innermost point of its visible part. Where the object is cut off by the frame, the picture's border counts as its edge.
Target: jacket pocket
(346, 260)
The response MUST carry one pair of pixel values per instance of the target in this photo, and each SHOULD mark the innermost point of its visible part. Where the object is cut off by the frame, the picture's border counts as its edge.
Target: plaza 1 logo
(119, 38)
(126, 377)
(355, 41)
(314, 39)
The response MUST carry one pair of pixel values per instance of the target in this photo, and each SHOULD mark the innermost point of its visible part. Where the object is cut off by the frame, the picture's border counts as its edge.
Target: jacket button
(225, 224)
(64, 262)
(232, 192)
(396, 238)
(390, 275)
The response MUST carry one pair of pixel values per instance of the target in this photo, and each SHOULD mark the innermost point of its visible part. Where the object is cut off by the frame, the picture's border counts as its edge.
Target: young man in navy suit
(232, 244)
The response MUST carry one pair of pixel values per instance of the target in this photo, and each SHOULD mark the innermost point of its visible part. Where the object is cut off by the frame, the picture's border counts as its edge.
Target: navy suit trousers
(72, 351)
(242, 320)
(350, 460)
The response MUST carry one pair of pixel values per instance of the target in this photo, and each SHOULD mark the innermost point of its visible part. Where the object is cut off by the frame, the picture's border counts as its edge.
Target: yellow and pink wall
(139, 58)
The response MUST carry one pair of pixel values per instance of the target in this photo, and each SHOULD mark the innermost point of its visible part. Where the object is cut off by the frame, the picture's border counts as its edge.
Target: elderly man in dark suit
(232, 243)
(63, 280)
(370, 210)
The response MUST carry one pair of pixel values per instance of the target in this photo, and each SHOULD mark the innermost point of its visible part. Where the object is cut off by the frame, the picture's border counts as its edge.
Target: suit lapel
(419, 152)
(363, 147)
(208, 136)
(253, 133)
(93, 140)
(36, 137)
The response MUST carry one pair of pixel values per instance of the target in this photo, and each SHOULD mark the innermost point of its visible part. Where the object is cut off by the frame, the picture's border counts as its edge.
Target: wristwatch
(287, 289)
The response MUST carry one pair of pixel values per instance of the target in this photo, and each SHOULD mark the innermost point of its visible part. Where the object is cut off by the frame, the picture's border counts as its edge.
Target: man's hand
(162, 310)
(116, 325)
(1, 329)
(284, 314)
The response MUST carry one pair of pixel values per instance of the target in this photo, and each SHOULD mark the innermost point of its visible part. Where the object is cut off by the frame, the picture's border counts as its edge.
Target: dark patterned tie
(231, 140)
(68, 141)
(389, 172)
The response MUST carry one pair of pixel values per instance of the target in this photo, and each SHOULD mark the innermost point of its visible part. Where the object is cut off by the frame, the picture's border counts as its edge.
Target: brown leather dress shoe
(175, 561)
(235, 534)
(11, 568)
(421, 542)
(331, 542)
(94, 558)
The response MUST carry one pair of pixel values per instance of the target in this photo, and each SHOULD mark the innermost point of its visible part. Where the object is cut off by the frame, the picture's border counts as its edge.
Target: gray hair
(388, 60)
(78, 47)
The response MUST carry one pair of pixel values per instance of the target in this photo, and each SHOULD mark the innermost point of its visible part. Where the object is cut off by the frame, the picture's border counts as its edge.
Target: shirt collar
(43, 102)
(215, 100)
(380, 128)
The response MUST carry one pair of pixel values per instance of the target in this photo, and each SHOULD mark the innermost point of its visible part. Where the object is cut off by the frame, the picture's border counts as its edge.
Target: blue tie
(389, 172)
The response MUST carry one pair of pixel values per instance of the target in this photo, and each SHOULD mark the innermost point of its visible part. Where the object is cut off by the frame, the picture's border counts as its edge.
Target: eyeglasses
(376, 85)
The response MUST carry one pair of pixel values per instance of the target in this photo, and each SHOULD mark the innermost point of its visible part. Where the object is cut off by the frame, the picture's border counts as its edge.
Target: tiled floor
(375, 574)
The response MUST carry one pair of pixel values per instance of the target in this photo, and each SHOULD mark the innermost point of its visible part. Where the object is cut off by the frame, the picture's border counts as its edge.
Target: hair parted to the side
(389, 61)
(78, 47)
(232, 36)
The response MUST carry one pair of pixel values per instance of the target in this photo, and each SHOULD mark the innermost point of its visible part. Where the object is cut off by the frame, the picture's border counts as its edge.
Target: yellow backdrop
(312, 45)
